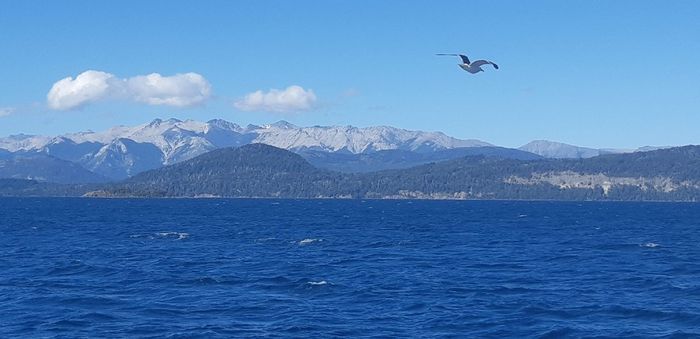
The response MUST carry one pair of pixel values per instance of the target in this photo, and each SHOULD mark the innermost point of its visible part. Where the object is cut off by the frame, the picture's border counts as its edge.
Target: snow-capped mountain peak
(224, 125)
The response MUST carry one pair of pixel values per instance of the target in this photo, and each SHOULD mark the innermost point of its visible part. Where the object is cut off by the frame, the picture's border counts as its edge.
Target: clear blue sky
(592, 73)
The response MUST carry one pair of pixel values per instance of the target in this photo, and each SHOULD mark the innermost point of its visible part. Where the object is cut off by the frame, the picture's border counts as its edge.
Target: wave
(308, 241)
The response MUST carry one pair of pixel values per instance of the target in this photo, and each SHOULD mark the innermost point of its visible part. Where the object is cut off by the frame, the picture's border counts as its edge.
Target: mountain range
(262, 171)
(121, 151)
(124, 151)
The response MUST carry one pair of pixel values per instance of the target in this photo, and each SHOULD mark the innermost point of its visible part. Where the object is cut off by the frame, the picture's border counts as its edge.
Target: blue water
(300, 268)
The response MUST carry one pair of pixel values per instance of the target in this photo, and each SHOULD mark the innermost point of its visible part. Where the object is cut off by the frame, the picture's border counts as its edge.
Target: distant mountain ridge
(42, 167)
(559, 150)
(121, 151)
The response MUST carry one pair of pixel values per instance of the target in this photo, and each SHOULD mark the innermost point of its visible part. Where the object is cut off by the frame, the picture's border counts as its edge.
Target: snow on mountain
(122, 151)
(356, 140)
(22, 142)
(123, 158)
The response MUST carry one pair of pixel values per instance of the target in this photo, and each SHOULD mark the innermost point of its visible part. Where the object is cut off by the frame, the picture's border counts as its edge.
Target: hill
(254, 170)
(668, 174)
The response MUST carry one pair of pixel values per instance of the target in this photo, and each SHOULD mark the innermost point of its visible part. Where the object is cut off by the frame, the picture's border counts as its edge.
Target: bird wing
(478, 63)
(464, 57)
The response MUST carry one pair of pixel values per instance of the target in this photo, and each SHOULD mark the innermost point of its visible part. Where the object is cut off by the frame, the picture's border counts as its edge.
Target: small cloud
(292, 99)
(5, 111)
(179, 90)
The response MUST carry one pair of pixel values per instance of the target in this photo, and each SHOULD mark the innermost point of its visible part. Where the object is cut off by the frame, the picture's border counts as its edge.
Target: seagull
(472, 67)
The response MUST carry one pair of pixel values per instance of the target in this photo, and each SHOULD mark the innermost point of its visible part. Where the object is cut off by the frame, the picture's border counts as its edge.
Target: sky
(591, 73)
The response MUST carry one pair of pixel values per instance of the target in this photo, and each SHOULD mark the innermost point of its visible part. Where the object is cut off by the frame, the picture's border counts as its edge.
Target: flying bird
(472, 67)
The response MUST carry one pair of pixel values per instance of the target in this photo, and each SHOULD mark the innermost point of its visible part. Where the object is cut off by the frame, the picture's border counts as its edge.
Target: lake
(347, 268)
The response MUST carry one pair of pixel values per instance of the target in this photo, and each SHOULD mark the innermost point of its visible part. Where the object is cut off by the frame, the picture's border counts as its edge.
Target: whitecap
(309, 241)
(317, 283)
(650, 245)
(176, 235)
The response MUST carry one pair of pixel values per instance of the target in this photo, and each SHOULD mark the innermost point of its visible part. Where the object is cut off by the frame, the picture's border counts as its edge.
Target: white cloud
(87, 87)
(178, 90)
(292, 99)
(5, 111)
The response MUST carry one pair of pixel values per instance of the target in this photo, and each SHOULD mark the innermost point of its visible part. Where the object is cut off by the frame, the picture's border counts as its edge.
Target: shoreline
(343, 199)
